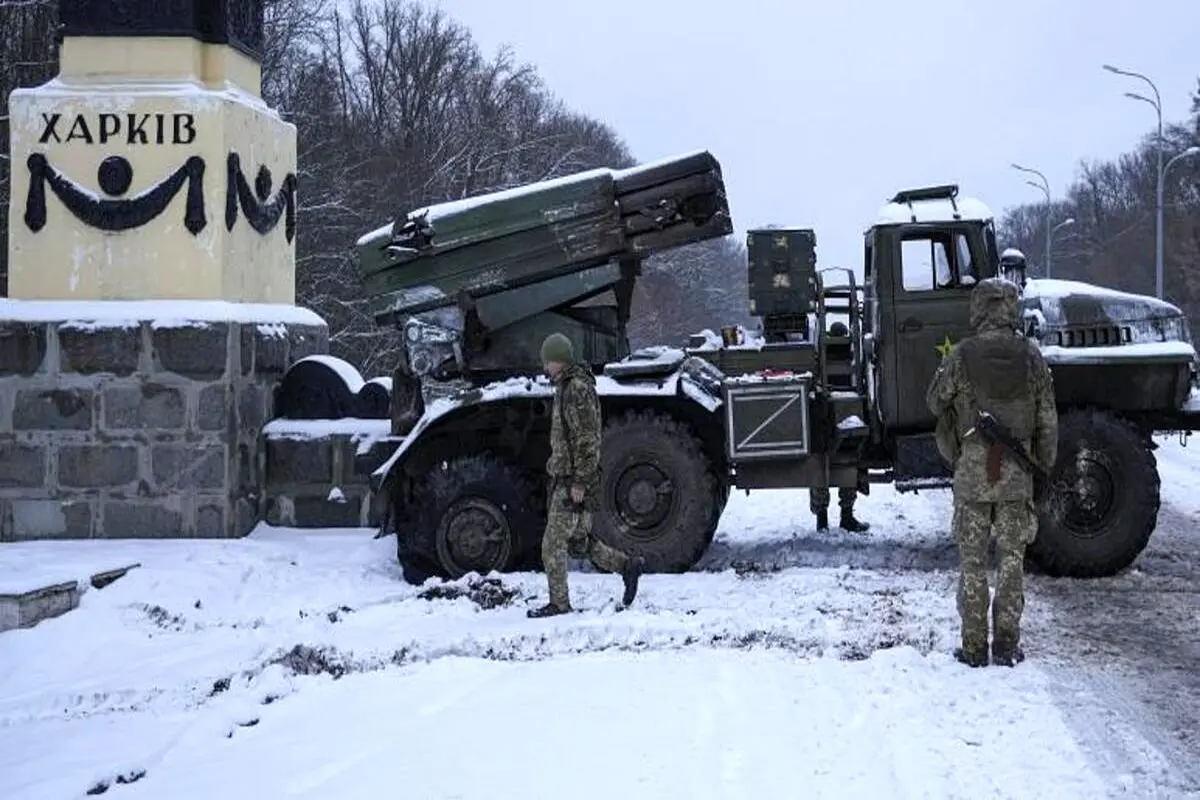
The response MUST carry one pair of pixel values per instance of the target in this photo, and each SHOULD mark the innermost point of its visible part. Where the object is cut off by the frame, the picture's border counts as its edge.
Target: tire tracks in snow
(1123, 658)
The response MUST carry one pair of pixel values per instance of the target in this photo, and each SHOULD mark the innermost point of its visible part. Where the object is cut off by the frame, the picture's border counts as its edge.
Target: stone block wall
(139, 428)
(318, 471)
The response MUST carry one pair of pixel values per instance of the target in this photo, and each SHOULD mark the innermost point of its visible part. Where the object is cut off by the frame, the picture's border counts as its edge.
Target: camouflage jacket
(1000, 371)
(575, 425)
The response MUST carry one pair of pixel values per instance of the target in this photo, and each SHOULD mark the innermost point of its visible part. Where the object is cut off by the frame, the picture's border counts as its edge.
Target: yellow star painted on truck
(945, 347)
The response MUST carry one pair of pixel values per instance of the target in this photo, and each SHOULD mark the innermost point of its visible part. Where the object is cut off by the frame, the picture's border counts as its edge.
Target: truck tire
(478, 513)
(1102, 526)
(659, 496)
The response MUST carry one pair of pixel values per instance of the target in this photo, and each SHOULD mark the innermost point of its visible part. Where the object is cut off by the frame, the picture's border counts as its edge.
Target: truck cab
(926, 251)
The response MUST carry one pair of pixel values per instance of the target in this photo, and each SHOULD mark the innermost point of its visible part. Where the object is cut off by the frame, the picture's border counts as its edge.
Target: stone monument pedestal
(140, 419)
(152, 269)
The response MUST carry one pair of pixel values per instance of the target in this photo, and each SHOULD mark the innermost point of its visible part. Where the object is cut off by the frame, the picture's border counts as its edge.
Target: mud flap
(919, 465)
(408, 402)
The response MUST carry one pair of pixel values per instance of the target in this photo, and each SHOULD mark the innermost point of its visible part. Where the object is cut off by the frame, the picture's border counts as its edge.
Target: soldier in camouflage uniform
(998, 371)
(574, 472)
(818, 504)
(818, 496)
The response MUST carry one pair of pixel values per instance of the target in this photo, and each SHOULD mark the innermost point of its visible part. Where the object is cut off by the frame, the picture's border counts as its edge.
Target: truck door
(931, 311)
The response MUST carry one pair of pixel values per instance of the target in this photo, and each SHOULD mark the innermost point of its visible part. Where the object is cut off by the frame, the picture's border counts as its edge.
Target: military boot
(972, 658)
(822, 520)
(1007, 656)
(548, 610)
(851, 525)
(633, 571)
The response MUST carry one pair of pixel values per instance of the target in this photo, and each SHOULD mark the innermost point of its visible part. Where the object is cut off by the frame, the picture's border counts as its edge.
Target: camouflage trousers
(818, 498)
(569, 533)
(1014, 526)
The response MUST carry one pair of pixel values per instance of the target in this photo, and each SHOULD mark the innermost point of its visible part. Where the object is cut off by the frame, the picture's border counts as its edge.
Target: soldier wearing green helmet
(573, 470)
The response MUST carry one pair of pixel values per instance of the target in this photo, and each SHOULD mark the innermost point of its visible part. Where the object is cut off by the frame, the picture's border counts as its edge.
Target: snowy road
(1126, 651)
(789, 665)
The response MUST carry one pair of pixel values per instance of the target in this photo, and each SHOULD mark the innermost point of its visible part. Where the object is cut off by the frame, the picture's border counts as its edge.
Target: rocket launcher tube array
(529, 234)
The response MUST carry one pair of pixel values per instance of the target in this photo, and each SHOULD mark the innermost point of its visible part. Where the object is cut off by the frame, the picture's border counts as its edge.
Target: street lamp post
(1045, 187)
(1191, 151)
(1156, 103)
(1162, 180)
(1066, 223)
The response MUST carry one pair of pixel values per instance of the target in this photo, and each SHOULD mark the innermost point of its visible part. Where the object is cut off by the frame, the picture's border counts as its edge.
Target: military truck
(475, 285)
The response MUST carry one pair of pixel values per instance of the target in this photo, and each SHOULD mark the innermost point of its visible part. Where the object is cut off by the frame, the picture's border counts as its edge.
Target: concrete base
(318, 471)
(27, 609)
(139, 420)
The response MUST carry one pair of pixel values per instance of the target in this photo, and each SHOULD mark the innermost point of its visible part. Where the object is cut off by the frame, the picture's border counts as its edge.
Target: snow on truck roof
(933, 209)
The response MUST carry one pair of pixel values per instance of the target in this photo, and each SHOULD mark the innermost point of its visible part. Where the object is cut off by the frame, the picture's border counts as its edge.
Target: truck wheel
(477, 514)
(660, 499)
(1101, 518)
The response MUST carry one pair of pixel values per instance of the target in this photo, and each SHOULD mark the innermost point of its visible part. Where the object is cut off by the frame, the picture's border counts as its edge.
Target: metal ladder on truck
(841, 362)
(840, 357)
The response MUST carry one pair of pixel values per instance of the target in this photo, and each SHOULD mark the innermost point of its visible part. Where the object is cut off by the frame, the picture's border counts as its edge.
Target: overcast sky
(818, 112)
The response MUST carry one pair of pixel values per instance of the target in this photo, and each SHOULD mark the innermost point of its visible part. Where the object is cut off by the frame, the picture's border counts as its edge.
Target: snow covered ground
(789, 664)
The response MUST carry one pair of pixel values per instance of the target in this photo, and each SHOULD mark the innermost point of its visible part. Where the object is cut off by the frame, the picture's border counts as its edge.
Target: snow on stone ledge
(161, 313)
(363, 432)
(100, 98)
(1128, 352)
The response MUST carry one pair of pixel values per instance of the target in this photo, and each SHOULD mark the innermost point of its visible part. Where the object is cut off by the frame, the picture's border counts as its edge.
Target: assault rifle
(994, 433)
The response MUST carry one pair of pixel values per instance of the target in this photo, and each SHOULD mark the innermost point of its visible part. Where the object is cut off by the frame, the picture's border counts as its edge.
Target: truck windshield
(936, 260)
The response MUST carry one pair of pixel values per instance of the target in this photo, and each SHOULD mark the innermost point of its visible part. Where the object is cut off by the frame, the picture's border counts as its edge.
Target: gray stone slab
(149, 406)
(22, 466)
(26, 609)
(93, 466)
(47, 518)
(54, 410)
(188, 466)
(22, 347)
(198, 351)
(91, 349)
(139, 519)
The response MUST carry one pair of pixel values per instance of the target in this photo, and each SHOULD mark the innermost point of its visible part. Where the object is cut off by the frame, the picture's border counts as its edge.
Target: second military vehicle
(474, 286)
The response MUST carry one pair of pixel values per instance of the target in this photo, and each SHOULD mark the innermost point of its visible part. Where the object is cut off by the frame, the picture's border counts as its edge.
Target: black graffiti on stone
(115, 213)
(159, 128)
(262, 214)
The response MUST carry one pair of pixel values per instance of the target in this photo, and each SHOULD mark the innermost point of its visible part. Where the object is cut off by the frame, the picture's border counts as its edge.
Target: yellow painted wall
(190, 100)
